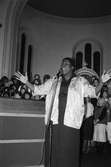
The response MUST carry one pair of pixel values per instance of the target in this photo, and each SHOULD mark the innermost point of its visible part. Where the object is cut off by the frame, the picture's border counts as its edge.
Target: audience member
(100, 121)
(87, 126)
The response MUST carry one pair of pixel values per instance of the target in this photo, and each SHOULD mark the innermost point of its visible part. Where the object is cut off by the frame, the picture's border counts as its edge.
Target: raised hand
(106, 76)
(20, 77)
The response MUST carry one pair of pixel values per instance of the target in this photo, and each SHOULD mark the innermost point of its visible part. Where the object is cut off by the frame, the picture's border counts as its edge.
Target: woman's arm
(104, 78)
(90, 90)
(42, 89)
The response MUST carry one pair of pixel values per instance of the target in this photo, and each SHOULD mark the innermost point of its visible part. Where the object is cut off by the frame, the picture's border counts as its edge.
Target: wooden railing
(21, 132)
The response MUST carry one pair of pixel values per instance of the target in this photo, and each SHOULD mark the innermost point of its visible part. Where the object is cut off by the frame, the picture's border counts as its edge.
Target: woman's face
(22, 91)
(105, 94)
(36, 82)
(36, 76)
(66, 67)
(27, 96)
(96, 82)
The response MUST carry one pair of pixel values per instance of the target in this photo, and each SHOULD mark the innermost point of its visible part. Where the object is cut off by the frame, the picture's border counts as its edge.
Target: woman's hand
(22, 78)
(106, 76)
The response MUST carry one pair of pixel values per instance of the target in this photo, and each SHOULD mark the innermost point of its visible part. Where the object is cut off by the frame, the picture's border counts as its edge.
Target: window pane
(88, 54)
(96, 62)
(79, 58)
(29, 61)
(22, 53)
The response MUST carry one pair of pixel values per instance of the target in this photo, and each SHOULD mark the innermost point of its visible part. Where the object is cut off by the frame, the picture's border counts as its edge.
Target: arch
(85, 41)
(12, 19)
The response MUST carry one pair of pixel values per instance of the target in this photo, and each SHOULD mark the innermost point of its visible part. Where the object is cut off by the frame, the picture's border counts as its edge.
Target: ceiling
(73, 8)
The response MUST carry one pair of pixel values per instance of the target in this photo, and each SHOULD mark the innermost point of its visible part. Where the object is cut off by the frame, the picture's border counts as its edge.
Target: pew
(22, 131)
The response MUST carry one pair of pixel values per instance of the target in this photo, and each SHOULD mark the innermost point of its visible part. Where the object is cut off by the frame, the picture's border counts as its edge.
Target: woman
(100, 121)
(65, 108)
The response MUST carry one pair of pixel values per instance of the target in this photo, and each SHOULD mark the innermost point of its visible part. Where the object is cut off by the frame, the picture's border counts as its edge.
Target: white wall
(3, 9)
(53, 38)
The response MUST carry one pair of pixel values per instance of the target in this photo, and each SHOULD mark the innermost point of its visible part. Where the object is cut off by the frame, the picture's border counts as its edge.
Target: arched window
(88, 53)
(79, 59)
(24, 58)
(22, 52)
(29, 63)
(96, 62)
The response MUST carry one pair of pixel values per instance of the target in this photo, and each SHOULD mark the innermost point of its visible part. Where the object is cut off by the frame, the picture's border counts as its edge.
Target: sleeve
(89, 90)
(44, 88)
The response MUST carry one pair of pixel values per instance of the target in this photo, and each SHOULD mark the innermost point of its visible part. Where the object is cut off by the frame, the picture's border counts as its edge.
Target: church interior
(35, 35)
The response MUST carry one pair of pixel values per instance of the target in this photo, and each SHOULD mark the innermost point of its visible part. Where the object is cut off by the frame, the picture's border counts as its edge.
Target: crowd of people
(12, 88)
(91, 122)
(96, 127)
(71, 105)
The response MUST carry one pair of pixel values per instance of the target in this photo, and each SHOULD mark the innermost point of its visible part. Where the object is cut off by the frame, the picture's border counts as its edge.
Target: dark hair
(4, 79)
(104, 89)
(72, 62)
(37, 76)
(46, 77)
(94, 78)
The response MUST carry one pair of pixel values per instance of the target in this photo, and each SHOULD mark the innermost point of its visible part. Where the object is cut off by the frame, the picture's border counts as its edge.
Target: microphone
(59, 73)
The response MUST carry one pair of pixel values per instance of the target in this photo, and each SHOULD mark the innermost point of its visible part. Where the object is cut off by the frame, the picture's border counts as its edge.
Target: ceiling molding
(64, 20)
(73, 8)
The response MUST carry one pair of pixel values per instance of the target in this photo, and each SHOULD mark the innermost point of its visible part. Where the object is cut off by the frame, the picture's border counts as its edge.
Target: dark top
(63, 99)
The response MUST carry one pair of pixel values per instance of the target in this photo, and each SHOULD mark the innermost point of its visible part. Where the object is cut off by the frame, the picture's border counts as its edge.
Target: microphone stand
(48, 131)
